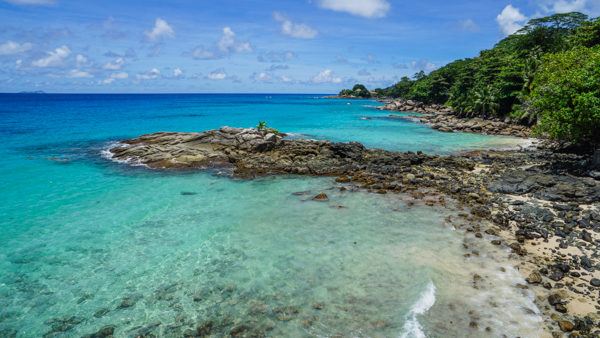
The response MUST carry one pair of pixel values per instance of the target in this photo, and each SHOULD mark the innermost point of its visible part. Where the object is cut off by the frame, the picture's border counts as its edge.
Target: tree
(360, 90)
(486, 101)
(566, 91)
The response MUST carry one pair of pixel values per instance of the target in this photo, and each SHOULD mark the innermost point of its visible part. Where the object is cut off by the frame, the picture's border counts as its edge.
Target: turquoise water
(85, 242)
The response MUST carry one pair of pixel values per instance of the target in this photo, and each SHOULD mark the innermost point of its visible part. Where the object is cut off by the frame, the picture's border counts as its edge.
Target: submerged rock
(322, 197)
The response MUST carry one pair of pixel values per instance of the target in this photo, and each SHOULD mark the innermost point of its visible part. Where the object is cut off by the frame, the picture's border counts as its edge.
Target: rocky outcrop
(444, 119)
(541, 205)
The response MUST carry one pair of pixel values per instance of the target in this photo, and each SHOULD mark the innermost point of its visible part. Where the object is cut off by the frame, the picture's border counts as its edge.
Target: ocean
(87, 243)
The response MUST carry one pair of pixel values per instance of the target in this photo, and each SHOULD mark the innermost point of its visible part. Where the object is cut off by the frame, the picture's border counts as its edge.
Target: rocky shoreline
(541, 205)
(444, 119)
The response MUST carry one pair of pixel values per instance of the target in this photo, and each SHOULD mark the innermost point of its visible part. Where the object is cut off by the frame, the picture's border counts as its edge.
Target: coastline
(521, 200)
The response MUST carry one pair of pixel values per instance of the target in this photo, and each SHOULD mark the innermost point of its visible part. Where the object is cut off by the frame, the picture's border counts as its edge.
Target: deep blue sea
(86, 242)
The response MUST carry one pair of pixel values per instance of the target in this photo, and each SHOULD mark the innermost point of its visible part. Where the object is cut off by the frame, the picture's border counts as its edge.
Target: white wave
(107, 154)
(412, 327)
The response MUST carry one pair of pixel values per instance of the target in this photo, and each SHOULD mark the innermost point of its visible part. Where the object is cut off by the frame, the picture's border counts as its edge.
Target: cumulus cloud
(510, 20)
(276, 57)
(81, 60)
(161, 29)
(177, 72)
(11, 47)
(116, 64)
(79, 74)
(217, 75)
(262, 77)
(115, 76)
(31, 2)
(149, 75)
(326, 76)
(295, 30)
(228, 44)
(53, 58)
(364, 8)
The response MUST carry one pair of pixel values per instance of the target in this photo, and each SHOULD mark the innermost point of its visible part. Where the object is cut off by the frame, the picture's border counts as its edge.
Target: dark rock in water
(322, 197)
(105, 332)
(204, 329)
(8, 333)
(63, 324)
(595, 282)
(145, 331)
(188, 193)
(101, 312)
(129, 301)
(534, 278)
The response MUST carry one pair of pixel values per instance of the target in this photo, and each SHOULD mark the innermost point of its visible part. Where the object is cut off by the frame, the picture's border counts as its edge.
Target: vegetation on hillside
(547, 75)
(358, 91)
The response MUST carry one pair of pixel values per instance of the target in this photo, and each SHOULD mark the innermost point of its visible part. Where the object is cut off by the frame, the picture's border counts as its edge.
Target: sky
(246, 46)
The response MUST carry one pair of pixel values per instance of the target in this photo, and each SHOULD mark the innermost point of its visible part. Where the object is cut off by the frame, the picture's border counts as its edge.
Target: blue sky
(301, 46)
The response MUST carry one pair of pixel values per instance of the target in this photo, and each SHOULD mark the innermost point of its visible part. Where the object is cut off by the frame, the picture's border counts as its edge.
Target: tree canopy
(547, 74)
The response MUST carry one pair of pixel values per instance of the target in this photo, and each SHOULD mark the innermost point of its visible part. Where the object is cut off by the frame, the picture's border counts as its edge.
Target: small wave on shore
(412, 327)
(108, 155)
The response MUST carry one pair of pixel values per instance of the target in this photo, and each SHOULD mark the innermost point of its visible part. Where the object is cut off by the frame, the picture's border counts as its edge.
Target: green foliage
(519, 75)
(358, 90)
(566, 93)
(262, 125)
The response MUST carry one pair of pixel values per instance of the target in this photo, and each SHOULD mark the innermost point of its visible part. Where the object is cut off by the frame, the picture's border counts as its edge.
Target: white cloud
(228, 43)
(11, 47)
(469, 25)
(262, 77)
(115, 65)
(149, 75)
(365, 8)
(296, 30)
(81, 60)
(510, 20)
(286, 79)
(161, 29)
(54, 58)
(326, 76)
(177, 72)
(115, 76)
(31, 2)
(217, 75)
(79, 74)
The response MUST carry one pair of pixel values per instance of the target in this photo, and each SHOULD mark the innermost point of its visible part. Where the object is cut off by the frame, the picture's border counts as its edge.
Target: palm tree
(486, 101)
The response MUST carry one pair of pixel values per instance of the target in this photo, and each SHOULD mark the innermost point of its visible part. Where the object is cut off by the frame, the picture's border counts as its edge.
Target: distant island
(32, 92)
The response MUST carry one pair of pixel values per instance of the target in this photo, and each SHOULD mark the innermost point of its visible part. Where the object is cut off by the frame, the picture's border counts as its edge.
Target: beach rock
(534, 278)
(566, 325)
(595, 282)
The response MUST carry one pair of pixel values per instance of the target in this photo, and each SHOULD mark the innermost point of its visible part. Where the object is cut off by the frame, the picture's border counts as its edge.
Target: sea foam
(412, 327)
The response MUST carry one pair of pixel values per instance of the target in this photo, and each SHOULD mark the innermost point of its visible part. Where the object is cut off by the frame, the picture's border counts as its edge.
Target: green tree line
(546, 75)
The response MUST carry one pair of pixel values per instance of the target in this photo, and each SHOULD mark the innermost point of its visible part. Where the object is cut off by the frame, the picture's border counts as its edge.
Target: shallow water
(87, 243)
